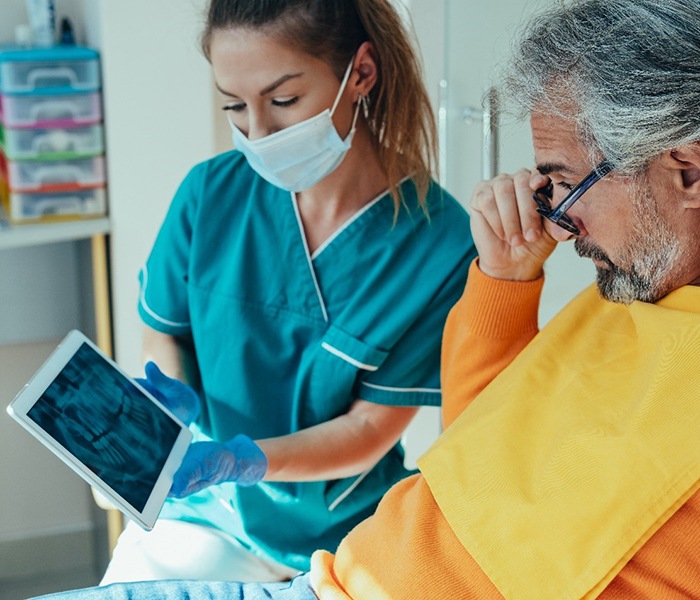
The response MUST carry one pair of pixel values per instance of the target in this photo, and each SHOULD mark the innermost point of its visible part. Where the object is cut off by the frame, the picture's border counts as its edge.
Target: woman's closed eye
(285, 101)
(280, 102)
(237, 107)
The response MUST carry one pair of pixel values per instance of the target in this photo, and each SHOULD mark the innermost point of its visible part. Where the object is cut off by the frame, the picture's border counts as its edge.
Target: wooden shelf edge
(19, 236)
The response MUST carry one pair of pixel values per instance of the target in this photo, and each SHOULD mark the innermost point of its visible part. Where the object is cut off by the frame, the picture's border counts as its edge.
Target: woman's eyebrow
(266, 90)
(279, 82)
(223, 91)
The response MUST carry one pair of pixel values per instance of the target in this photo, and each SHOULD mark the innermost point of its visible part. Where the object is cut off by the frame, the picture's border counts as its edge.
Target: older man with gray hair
(570, 464)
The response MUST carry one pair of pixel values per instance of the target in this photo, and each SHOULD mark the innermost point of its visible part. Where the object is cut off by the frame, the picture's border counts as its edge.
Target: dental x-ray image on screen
(104, 426)
(118, 434)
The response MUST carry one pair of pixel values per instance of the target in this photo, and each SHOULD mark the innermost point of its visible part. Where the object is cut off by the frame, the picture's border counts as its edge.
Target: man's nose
(577, 215)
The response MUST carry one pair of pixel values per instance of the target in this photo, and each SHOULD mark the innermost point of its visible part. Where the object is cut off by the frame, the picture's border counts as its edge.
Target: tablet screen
(107, 423)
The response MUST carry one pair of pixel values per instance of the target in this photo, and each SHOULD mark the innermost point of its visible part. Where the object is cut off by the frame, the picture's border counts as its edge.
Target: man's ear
(364, 75)
(685, 162)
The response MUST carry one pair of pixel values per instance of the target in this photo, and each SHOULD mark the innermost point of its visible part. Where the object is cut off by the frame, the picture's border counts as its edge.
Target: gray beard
(652, 251)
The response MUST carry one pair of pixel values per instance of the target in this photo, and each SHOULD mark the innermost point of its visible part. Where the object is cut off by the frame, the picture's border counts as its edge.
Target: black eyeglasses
(557, 215)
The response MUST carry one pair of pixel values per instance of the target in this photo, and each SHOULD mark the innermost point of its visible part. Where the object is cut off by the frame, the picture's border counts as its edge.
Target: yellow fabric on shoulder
(580, 450)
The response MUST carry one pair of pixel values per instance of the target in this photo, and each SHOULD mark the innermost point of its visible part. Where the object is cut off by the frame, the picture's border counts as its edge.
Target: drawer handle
(53, 110)
(66, 206)
(62, 174)
(58, 140)
(64, 73)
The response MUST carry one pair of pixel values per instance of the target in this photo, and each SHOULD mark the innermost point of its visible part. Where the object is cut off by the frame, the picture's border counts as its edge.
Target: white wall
(158, 117)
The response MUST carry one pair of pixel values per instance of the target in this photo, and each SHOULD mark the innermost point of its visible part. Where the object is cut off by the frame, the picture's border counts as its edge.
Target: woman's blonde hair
(400, 117)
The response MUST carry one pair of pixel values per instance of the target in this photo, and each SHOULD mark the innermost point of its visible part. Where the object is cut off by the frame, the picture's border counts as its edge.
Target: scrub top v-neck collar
(310, 257)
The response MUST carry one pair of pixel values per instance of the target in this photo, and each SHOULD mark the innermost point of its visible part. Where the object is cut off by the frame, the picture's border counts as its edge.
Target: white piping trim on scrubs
(149, 310)
(308, 258)
(346, 358)
(347, 224)
(347, 492)
(402, 390)
(351, 220)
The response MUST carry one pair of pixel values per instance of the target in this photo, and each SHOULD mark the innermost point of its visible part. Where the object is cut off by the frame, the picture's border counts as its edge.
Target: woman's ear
(364, 75)
(685, 162)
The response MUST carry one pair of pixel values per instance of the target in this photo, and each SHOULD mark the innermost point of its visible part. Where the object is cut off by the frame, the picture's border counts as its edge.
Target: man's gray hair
(627, 71)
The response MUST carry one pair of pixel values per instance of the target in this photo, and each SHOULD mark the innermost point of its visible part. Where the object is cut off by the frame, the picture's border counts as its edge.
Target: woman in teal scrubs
(299, 284)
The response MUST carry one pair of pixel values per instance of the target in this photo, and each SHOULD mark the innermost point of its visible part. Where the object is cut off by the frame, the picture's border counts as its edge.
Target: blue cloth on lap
(174, 589)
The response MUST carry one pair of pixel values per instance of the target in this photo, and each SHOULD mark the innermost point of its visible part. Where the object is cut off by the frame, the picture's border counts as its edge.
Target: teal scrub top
(285, 339)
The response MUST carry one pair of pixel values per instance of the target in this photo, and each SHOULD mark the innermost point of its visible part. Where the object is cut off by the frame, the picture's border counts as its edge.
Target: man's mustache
(588, 250)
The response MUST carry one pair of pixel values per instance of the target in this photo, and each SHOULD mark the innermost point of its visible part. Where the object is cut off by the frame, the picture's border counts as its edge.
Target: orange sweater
(408, 550)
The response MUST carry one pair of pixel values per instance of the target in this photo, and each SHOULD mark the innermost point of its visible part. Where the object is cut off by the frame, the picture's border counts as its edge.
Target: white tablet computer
(104, 426)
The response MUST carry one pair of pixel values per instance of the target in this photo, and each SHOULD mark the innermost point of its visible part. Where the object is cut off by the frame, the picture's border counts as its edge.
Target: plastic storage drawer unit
(59, 69)
(51, 111)
(52, 175)
(57, 206)
(58, 143)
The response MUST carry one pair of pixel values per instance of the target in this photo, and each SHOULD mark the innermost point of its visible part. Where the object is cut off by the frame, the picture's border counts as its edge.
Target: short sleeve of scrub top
(168, 283)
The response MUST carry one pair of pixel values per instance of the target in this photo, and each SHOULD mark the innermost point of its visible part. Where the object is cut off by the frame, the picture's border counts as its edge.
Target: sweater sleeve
(487, 328)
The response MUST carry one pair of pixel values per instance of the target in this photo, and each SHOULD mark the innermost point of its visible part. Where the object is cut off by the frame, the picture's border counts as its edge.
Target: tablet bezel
(32, 392)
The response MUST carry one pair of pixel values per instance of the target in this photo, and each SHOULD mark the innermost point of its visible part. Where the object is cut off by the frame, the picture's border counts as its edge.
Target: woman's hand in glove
(239, 460)
(176, 396)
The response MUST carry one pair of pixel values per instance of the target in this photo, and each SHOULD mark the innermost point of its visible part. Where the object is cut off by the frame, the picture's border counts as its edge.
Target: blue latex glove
(239, 460)
(177, 396)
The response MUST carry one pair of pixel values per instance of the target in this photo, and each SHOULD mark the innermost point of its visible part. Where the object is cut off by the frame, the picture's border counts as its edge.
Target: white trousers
(181, 550)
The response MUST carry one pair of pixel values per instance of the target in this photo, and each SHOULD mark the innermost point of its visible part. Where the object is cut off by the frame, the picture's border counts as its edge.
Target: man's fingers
(504, 194)
(530, 220)
(484, 203)
(506, 204)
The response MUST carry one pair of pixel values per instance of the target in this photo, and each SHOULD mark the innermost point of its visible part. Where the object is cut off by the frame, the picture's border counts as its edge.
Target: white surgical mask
(298, 157)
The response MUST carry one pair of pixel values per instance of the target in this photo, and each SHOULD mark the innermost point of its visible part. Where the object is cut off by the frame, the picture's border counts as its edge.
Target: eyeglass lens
(557, 215)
